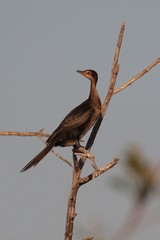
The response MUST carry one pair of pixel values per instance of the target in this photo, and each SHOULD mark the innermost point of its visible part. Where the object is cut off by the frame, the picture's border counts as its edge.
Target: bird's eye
(89, 72)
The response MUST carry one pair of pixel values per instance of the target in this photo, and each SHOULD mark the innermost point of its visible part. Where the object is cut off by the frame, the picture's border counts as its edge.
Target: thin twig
(40, 134)
(24, 134)
(139, 75)
(57, 154)
(100, 171)
(115, 70)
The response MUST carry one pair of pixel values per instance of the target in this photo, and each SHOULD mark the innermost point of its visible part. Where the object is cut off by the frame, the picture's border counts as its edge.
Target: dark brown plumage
(76, 124)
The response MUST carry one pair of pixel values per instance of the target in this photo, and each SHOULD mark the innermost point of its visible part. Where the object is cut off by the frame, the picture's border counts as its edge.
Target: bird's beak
(81, 72)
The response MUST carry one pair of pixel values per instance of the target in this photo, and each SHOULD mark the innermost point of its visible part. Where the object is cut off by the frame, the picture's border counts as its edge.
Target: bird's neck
(94, 96)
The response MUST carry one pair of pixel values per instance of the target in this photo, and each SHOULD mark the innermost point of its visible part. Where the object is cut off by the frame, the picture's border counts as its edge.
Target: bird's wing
(75, 119)
(77, 116)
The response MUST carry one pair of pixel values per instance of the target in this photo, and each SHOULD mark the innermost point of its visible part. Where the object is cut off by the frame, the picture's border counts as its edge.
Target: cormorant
(76, 124)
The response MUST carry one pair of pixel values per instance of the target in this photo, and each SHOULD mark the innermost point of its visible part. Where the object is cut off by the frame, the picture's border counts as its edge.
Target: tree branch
(24, 134)
(40, 134)
(77, 166)
(114, 73)
(77, 171)
(100, 171)
(57, 154)
(139, 75)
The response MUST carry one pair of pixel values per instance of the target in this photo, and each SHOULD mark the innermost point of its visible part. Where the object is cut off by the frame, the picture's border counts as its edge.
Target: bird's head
(90, 74)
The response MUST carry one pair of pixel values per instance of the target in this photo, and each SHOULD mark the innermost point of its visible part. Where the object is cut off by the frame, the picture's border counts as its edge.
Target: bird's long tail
(38, 158)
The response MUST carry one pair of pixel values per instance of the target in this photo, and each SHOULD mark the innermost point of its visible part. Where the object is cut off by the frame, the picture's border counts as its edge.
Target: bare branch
(71, 210)
(96, 174)
(115, 70)
(77, 172)
(81, 151)
(24, 134)
(77, 166)
(139, 75)
(57, 154)
(114, 73)
(40, 134)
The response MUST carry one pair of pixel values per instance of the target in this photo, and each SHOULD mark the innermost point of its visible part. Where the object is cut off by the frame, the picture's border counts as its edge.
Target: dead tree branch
(76, 180)
(114, 73)
(139, 75)
(57, 154)
(40, 134)
(24, 134)
(77, 166)
(100, 171)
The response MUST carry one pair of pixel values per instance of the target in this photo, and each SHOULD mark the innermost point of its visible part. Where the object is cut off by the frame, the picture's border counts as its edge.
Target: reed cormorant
(76, 124)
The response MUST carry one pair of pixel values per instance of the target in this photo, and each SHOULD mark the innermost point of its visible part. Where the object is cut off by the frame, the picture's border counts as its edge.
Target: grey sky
(43, 43)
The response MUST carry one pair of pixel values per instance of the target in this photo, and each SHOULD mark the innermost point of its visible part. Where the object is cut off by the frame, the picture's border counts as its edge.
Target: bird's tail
(38, 158)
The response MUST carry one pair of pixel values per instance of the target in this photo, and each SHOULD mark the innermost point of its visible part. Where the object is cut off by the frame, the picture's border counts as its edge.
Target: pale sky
(42, 45)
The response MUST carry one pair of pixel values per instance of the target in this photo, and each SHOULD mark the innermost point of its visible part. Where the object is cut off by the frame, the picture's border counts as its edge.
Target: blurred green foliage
(138, 176)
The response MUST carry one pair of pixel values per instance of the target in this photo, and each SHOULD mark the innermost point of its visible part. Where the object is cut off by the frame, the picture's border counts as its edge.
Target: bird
(76, 124)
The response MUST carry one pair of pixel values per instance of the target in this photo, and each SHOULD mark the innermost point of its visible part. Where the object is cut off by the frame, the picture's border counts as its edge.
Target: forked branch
(77, 181)
(100, 171)
(139, 75)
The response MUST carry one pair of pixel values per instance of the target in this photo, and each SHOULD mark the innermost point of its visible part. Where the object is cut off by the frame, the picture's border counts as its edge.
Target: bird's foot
(82, 152)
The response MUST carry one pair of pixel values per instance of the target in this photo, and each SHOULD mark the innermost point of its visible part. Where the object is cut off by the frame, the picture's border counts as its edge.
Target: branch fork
(84, 153)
